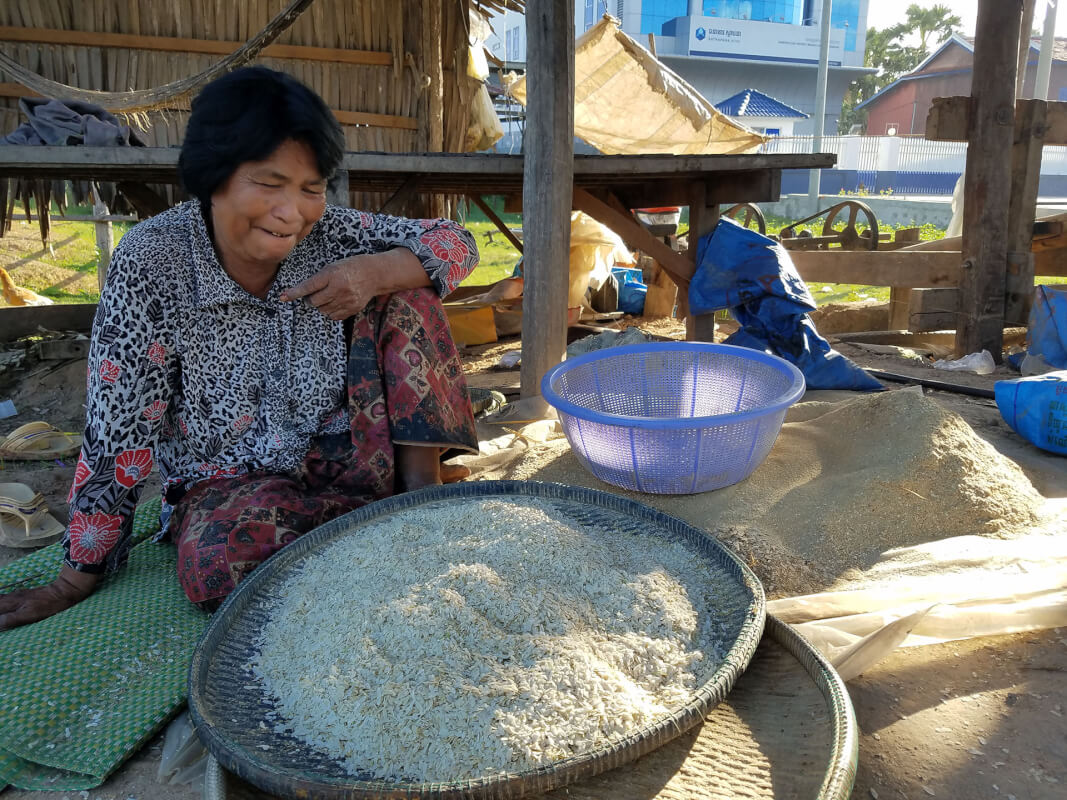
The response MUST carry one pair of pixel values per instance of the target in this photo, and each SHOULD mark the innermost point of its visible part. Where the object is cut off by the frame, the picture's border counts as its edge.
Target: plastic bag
(978, 363)
(485, 129)
(595, 249)
(479, 30)
(184, 758)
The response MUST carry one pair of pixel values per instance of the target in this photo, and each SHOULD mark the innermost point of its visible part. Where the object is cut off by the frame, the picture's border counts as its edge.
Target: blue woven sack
(1036, 409)
(1048, 325)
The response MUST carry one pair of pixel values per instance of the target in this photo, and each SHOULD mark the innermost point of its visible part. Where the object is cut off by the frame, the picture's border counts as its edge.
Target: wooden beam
(1051, 263)
(170, 44)
(432, 103)
(19, 321)
(401, 197)
(931, 310)
(1025, 175)
(879, 267)
(344, 117)
(507, 170)
(77, 218)
(17, 90)
(376, 120)
(899, 297)
(949, 120)
(500, 224)
(548, 175)
(635, 235)
(702, 220)
(987, 185)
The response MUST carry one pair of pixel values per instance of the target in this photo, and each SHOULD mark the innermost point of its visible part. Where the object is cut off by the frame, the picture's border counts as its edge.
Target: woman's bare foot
(454, 473)
(421, 466)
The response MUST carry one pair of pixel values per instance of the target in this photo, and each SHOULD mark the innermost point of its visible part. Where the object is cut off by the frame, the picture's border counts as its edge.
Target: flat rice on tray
(481, 636)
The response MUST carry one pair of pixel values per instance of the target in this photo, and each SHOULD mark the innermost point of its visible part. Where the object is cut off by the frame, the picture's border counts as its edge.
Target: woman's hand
(32, 605)
(344, 288)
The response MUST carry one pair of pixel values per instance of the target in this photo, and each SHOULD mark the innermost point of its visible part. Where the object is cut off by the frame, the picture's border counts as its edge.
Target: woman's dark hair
(244, 116)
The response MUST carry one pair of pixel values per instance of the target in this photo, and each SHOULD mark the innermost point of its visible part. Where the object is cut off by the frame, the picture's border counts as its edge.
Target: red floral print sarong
(405, 386)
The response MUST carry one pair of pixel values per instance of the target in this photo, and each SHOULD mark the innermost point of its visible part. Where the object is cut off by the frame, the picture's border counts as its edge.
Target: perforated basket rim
(787, 398)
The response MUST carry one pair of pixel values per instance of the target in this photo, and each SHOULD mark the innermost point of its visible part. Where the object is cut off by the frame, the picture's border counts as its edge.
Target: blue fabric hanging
(753, 276)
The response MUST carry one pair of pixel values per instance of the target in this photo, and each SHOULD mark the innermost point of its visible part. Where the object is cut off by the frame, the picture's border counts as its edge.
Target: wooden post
(698, 327)
(1030, 127)
(987, 185)
(433, 66)
(105, 240)
(548, 178)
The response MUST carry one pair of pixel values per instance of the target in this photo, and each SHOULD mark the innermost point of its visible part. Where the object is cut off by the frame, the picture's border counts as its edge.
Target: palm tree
(927, 22)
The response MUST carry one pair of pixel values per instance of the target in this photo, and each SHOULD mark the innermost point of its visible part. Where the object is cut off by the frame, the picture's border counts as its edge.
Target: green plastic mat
(84, 690)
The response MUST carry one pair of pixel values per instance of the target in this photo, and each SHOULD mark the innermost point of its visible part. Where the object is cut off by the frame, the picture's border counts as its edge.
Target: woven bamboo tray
(227, 715)
(786, 731)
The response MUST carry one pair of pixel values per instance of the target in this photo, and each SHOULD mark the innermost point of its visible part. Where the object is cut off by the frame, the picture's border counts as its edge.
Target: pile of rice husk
(844, 484)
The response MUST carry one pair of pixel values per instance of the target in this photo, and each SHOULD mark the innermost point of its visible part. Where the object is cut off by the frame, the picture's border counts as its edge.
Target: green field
(75, 254)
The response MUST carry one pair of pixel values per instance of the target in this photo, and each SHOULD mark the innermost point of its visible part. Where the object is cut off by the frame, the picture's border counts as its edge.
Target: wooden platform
(647, 180)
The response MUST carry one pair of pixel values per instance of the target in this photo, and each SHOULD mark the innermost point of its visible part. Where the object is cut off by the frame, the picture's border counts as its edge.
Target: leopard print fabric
(189, 371)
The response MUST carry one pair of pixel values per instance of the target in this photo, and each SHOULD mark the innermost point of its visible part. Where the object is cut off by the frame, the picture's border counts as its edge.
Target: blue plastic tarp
(1048, 325)
(753, 276)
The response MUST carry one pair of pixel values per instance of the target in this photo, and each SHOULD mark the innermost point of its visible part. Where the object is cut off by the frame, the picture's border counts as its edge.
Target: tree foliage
(894, 52)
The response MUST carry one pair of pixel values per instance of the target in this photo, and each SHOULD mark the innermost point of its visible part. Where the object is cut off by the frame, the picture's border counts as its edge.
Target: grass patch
(498, 257)
(74, 245)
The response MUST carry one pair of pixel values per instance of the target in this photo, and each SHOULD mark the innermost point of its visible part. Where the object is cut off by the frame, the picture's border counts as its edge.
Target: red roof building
(901, 107)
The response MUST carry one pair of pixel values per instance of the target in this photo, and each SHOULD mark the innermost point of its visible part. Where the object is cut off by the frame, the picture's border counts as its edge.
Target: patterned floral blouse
(189, 370)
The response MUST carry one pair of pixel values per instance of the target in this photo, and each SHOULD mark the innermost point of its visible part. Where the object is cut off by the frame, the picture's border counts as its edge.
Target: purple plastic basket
(672, 417)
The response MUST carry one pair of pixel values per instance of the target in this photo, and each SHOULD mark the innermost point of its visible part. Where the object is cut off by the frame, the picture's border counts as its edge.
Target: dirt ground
(983, 718)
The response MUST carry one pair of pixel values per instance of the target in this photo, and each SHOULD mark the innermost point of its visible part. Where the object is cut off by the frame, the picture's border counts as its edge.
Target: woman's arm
(344, 287)
(378, 254)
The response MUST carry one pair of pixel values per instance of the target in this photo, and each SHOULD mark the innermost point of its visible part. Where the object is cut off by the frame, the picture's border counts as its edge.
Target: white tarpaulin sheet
(628, 103)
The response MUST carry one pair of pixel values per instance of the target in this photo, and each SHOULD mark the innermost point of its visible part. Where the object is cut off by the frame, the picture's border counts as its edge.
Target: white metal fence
(901, 153)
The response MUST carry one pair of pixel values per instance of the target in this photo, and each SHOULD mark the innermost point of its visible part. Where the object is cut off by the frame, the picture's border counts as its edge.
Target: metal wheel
(745, 213)
(848, 235)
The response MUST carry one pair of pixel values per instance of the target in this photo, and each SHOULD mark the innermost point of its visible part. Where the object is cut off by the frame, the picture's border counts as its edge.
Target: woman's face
(265, 207)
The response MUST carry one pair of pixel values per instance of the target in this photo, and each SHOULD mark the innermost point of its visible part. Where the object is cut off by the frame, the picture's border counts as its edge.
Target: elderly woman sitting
(282, 361)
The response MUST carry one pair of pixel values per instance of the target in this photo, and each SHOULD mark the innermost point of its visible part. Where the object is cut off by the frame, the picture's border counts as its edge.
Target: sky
(883, 13)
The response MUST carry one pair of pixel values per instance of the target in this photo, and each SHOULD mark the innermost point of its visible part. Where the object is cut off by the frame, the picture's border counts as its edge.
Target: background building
(723, 47)
(901, 107)
(761, 113)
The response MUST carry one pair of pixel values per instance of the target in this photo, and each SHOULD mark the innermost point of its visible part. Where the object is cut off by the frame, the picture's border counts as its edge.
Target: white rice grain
(479, 636)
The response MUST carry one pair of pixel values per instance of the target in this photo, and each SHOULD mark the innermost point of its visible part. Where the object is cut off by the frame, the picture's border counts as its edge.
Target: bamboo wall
(382, 106)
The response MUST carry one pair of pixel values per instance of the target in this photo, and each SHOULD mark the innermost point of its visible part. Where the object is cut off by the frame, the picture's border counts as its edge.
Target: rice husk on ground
(844, 483)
